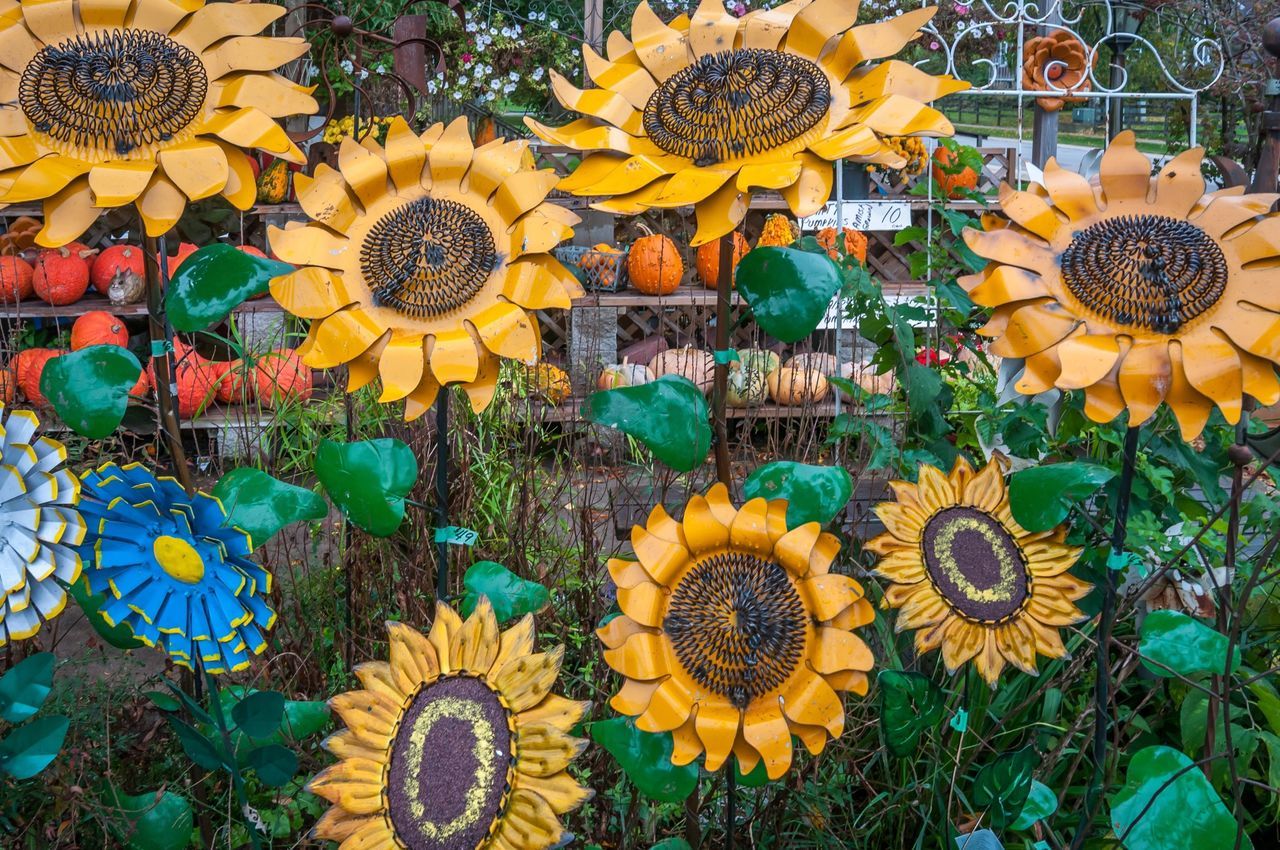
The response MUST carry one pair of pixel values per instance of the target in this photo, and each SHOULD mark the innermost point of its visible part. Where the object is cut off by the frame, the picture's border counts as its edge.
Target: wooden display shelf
(41, 310)
(569, 411)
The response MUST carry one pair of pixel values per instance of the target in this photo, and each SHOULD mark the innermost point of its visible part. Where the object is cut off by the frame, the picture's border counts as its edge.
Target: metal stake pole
(156, 267)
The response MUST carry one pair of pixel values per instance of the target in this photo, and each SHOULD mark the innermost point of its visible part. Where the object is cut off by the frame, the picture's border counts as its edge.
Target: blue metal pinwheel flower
(172, 570)
(39, 525)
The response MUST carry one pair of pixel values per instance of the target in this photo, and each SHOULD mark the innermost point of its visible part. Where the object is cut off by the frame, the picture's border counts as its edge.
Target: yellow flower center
(113, 92)
(178, 558)
(735, 104)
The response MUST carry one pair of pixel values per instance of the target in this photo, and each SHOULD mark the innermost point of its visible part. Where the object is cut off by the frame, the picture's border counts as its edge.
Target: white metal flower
(39, 523)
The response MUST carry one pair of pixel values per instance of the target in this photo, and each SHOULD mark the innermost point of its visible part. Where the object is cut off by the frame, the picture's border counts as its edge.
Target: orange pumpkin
(98, 327)
(20, 235)
(185, 249)
(118, 260)
(61, 275)
(282, 376)
(15, 280)
(229, 380)
(8, 384)
(654, 265)
(600, 265)
(28, 366)
(143, 386)
(708, 259)
(855, 243)
(951, 184)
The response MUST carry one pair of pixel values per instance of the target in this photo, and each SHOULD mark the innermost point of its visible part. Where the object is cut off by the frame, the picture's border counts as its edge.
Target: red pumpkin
(28, 366)
(185, 249)
(15, 280)
(952, 184)
(118, 260)
(707, 260)
(229, 381)
(282, 376)
(61, 275)
(98, 327)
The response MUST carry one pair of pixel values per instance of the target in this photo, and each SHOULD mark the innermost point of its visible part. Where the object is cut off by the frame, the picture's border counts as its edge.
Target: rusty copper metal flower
(1056, 62)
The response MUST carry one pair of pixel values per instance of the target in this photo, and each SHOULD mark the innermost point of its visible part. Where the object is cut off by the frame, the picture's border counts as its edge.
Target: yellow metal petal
(587, 134)
(1180, 185)
(345, 336)
(52, 21)
(47, 176)
(1030, 211)
(693, 185)
(669, 707)
(365, 172)
(772, 176)
(17, 151)
(104, 14)
(721, 214)
(412, 657)
(540, 282)
(420, 400)
(1069, 191)
(508, 331)
(309, 244)
(117, 183)
(1124, 171)
(717, 725)
(630, 79)
(633, 698)
(763, 29)
(198, 168)
(453, 357)
(810, 701)
(901, 78)
(794, 548)
(536, 233)
(524, 682)
(1012, 248)
(450, 157)
(662, 49)
(528, 821)
(1103, 402)
(1259, 379)
(249, 127)
(836, 650)
(325, 198)
(1005, 285)
(661, 559)
(216, 21)
(475, 645)
(67, 215)
(1189, 406)
(162, 15)
(645, 603)
(354, 784)
(401, 366)
(875, 41)
(273, 94)
(481, 391)
(562, 792)
(749, 531)
(406, 156)
(1144, 379)
(241, 189)
(493, 164)
(593, 168)
(853, 142)
(820, 22)
(599, 103)
(252, 53)
(769, 734)
(712, 29)
(161, 205)
(828, 595)
(310, 292)
(1213, 369)
(631, 175)
(703, 531)
(895, 115)
(1086, 359)
(522, 192)
(808, 194)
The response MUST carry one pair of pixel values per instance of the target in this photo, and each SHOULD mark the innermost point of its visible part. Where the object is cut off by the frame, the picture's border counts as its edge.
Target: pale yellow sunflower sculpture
(1137, 290)
(424, 262)
(734, 635)
(456, 744)
(704, 111)
(971, 580)
(146, 102)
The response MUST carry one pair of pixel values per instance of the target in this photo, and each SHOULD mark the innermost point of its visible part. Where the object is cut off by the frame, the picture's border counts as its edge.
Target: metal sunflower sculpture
(968, 578)
(1138, 290)
(456, 744)
(39, 526)
(733, 635)
(706, 110)
(173, 570)
(145, 102)
(424, 262)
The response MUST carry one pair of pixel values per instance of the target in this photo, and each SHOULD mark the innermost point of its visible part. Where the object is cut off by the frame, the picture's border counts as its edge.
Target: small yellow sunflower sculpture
(456, 744)
(424, 262)
(145, 102)
(705, 110)
(733, 635)
(971, 580)
(1138, 290)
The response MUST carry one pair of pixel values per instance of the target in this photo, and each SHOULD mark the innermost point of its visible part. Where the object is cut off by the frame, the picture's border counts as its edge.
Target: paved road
(1069, 156)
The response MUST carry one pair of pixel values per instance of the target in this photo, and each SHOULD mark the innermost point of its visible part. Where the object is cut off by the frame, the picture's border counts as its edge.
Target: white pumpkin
(746, 388)
(696, 365)
(624, 374)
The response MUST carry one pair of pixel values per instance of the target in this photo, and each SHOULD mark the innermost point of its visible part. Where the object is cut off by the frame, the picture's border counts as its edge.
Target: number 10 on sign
(861, 215)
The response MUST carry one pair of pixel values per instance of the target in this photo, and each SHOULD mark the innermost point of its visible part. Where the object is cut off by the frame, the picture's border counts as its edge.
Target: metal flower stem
(156, 265)
(1102, 688)
(233, 765)
(724, 286)
(442, 493)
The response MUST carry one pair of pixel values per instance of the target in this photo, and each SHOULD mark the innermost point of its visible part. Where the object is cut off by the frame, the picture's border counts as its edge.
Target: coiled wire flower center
(736, 103)
(427, 258)
(737, 625)
(113, 90)
(1146, 271)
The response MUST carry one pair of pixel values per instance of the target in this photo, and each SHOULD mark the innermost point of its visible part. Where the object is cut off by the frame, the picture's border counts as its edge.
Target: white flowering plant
(503, 59)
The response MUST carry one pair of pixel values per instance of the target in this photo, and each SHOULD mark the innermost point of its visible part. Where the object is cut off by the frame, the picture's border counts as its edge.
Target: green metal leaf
(1001, 787)
(910, 705)
(26, 686)
(259, 713)
(213, 281)
(1183, 645)
(262, 504)
(1167, 803)
(368, 480)
(789, 290)
(1041, 803)
(199, 748)
(300, 719)
(120, 636)
(157, 820)
(163, 701)
(89, 388)
(29, 749)
(646, 759)
(671, 844)
(1042, 496)
(668, 415)
(813, 493)
(510, 595)
(275, 764)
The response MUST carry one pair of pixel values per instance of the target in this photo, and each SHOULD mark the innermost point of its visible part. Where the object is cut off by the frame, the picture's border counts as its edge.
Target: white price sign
(862, 215)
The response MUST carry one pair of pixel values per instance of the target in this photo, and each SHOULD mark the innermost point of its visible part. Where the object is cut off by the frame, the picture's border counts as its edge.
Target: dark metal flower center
(450, 766)
(1148, 271)
(117, 90)
(975, 565)
(736, 103)
(428, 257)
(737, 625)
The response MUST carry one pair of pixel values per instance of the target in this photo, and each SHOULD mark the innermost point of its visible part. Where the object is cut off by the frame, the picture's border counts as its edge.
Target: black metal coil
(736, 103)
(1147, 271)
(737, 626)
(428, 257)
(117, 90)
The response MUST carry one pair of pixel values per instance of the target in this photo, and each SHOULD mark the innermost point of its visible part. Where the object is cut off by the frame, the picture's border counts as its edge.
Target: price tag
(1121, 560)
(1041, 845)
(861, 215)
(456, 535)
(960, 721)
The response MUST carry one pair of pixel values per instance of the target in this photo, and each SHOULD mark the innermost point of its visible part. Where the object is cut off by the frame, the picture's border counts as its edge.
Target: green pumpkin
(747, 388)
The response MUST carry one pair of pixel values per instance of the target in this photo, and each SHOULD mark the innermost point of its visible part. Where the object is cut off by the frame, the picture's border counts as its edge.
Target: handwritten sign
(862, 215)
(456, 536)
